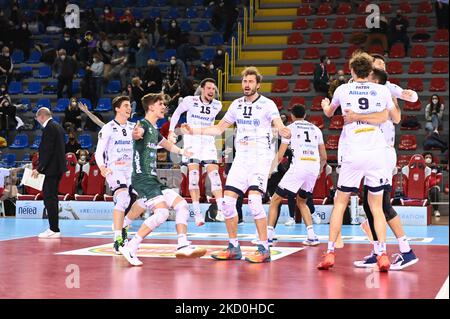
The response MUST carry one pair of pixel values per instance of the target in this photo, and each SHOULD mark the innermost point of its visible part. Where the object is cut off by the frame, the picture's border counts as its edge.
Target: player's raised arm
(95, 119)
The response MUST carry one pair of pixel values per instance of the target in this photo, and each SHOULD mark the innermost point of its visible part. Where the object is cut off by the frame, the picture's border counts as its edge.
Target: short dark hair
(380, 75)
(323, 58)
(299, 111)
(204, 81)
(377, 56)
(152, 98)
(117, 101)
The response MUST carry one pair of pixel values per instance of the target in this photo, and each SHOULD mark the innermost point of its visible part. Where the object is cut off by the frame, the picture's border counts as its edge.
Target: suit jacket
(52, 157)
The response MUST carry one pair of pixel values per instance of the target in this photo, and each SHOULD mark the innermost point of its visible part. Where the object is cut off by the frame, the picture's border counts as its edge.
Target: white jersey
(254, 125)
(115, 146)
(362, 98)
(305, 140)
(199, 114)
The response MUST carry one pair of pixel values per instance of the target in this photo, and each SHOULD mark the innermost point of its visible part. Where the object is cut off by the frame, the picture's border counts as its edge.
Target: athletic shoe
(290, 222)
(327, 262)
(219, 216)
(383, 262)
(230, 253)
(437, 213)
(316, 218)
(190, 251)
(49, 234)
(125, 233)
(256, 242)
(199, 219)
(311, 242)
(261, 255)
(129, 256)
(367, 262)
(404, 260)
(117, 243)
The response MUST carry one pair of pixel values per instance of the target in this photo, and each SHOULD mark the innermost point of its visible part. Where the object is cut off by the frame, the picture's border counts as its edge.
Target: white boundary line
(443, 293)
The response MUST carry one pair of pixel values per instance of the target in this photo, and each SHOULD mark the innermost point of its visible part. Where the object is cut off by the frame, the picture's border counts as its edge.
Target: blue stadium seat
(137, 13)
(113, 87)
(85, 141)
(153, 55)
(143, 3)
(33, 88)
(191, 13)
(26, 71)
(203, 27)
(93, 3)
(27, 103)
(20, 142)
(169, 53)
(173, 13)
(36, 142)
(81, 73)
(15, 88)
(17, 57)
(127, 3)
(61, 105)
(26, 157)
(44, 102)
(216, 39)
(87, 102)
(136, 118)
(35, 57)
(208, 54)
(57, 119)
(208, 12)
(104, 105)
(154, 13)
(44, 72)
(50, 92)
(66, 138)
(75, 87)
(185, 26)
(161, 3)
(198, 3)
(9, 160)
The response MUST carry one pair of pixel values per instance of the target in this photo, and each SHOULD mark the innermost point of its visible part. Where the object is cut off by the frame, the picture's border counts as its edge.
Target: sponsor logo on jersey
(202, 118)
(311, 159)
(364, 130)
(244, 122)
(373, 93)
(122, 142)
(256, 122)
(358, 93)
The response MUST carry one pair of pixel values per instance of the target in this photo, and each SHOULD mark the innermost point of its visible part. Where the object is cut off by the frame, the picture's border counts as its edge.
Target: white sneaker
(129, 256)
(437, 213)
(290, 222)
(50, 234)
(190, 251)
(316, 218)
(220, 217)
(199, 219)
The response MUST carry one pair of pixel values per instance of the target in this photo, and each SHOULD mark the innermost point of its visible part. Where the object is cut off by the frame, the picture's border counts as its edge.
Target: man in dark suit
(52, 163)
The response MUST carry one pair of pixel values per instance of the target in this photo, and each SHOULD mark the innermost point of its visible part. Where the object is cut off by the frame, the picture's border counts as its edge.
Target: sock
(403, 244)
(196, 206)
(265, 243)
(182, 240)
(117, 234)
(311, 233)
(234, 242)
(331, 246)
(376, 248)
(270, 232)
(219, 202)
(134, 243)
(127, 222)
(382, 247)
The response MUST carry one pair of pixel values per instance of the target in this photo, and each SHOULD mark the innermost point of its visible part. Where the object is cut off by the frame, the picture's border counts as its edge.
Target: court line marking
(21, 237)
(443, 292)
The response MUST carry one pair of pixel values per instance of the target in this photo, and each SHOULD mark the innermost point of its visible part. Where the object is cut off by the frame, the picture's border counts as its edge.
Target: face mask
(74, 103)
(138, 25)
(24, 26)
(121, 49)
(341, 78)
(139, 45)
(219, 52)
(106, 11)
(95, 60)
(174, 25)
(66, 38)
(63, 57)
(3, 90)
(211, 66)
(106, 46)
(428, 160)
(173, 62)
(328, 61)
(6, 54)
(435, 101)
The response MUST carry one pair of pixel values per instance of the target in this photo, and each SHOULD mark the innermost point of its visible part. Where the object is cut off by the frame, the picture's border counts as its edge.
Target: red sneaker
(327, 262)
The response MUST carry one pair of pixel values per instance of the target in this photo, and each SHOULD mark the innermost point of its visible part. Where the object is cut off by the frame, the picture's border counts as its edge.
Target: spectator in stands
(205, 70)
(172, 84)
(219, 59)
(441, 7)
(231, 14)
(64, 69)
(119, 63)
(22, 39)
(379, 34)
(15, 14)
(6, 66)
(173, 35)
(105, 48)
(142, 54)
(69, 44)
(399, 26)
(153, 78)
(7, 110)
(72, 145)
(72, 116)
(321, 79)
(126, 21)
(435, 141)
(433, 114)
(339, 80)
(434, 190)
(155, 31)
(45, 12)
(137, 93)
(97, 67)
(90, 17)
(107, 21)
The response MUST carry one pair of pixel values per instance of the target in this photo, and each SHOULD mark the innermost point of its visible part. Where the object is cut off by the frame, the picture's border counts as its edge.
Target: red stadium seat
(317, 103)
(305, 10)
(438, 85)
(416, 67)
(290, 54)
(440, 51)
(397, 51)
(441, 35)
(295, 38)
(323, 187)
(394, 67)
(415, 84)
(347, 68)
(423, 22)
(344, 9)
(92, 183)
(332, 142)
(359, 23)
(278, 101)
(331, 68)
(403, 160)
(418, 51)
(333, 52)
(385, 7)
(325, 9)
(362, 8)
(412, 106)
(376, 49)
(31, 193)
(337, 122)
(68, 183)
(395, 81)
(421, 35)
(300, 24)
(296, 100)
(317, 120)
(407, 143)
(306, 68)
(315, 38)
(424, 7)
(280, 86)
(336, 37)
(320, 23)
(285, 69)
(416, 175)
(439, 67)
(302, 85)
(350, 51)
(405, 7)
(312, 53)
(406, 118)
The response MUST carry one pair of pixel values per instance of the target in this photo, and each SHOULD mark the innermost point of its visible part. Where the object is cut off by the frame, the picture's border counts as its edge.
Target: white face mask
(428, 160)
(24, 26)
(63, 57)
(328, 62)
(173, 62)
(66, 38)
(211, 66)
(95, 60)
(174, 25)
(121, 49)
(219, 52)
(435, 101)
(139, 45)
(106, 11)
(6, 54)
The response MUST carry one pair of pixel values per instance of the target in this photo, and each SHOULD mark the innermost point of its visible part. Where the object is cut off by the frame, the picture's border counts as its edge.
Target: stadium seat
(361, 9)
(315, 38)
(285, 69)
(394, 67)
(359, 23)
(208, 54)
(397, 51)
(113, 87)
(312, 53)
(43, 102)
(407, 143)
(416, 67)
(405, 7)
(68, 183)
(302, 85)
(278, 101)
(85, 141)
(26, 71)
(412, 106)
(36, 142)
(325, 9)
(344, 8)
(331, 68)
(424, 7)
(324, 185)
(418, 51)
(61, 105)
(17, 57)
(385, 7)
(191, 13)
(415, 84)
(306, 68)
(441, 35)
(15, 88)
(35, 57)
(423, 22)
(86, 102)
(376, 49)
(416, 175)
(421, 35)
(332, 142)
(317, 120)
(438, 85)
(203, 26)
(403, 160)
(336, 37)
(347, 68)
(336, 122)
(208, 13)
(92, 182)
(173, 13)
(295, 38)
(320, 23)
(104, 105)
(333, 52)
(409, 118)
(305, 10)
(8, 160)
(161, 3)
(280, 86)
(33, 88)
(20, 142)
(44, 72)
(300, 24)
(169, 53)
(50, 88)
(216, 39)
(439, 67)
(290, 53)
(316, 104)
(154, 13)
(350, 51)
(440, 51)
(185, 26)
(296, 100)
(143, 3)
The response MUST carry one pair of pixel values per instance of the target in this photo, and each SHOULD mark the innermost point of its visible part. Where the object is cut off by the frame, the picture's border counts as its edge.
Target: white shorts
(168, 195)
(203, 147)
(368, 164)
(249, 173)
(118, 179)
(298, 180)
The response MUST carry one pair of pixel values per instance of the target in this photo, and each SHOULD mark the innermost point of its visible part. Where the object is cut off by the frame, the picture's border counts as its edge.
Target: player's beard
(251, 93)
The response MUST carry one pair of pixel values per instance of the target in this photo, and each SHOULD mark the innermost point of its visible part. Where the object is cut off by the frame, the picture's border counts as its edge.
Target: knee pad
(181, 213)
(133, 199)
(255, 206)
(229, 207)
(216, 183)
(389, 211)
(194, 178)
(121, 201)
(159, 217)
